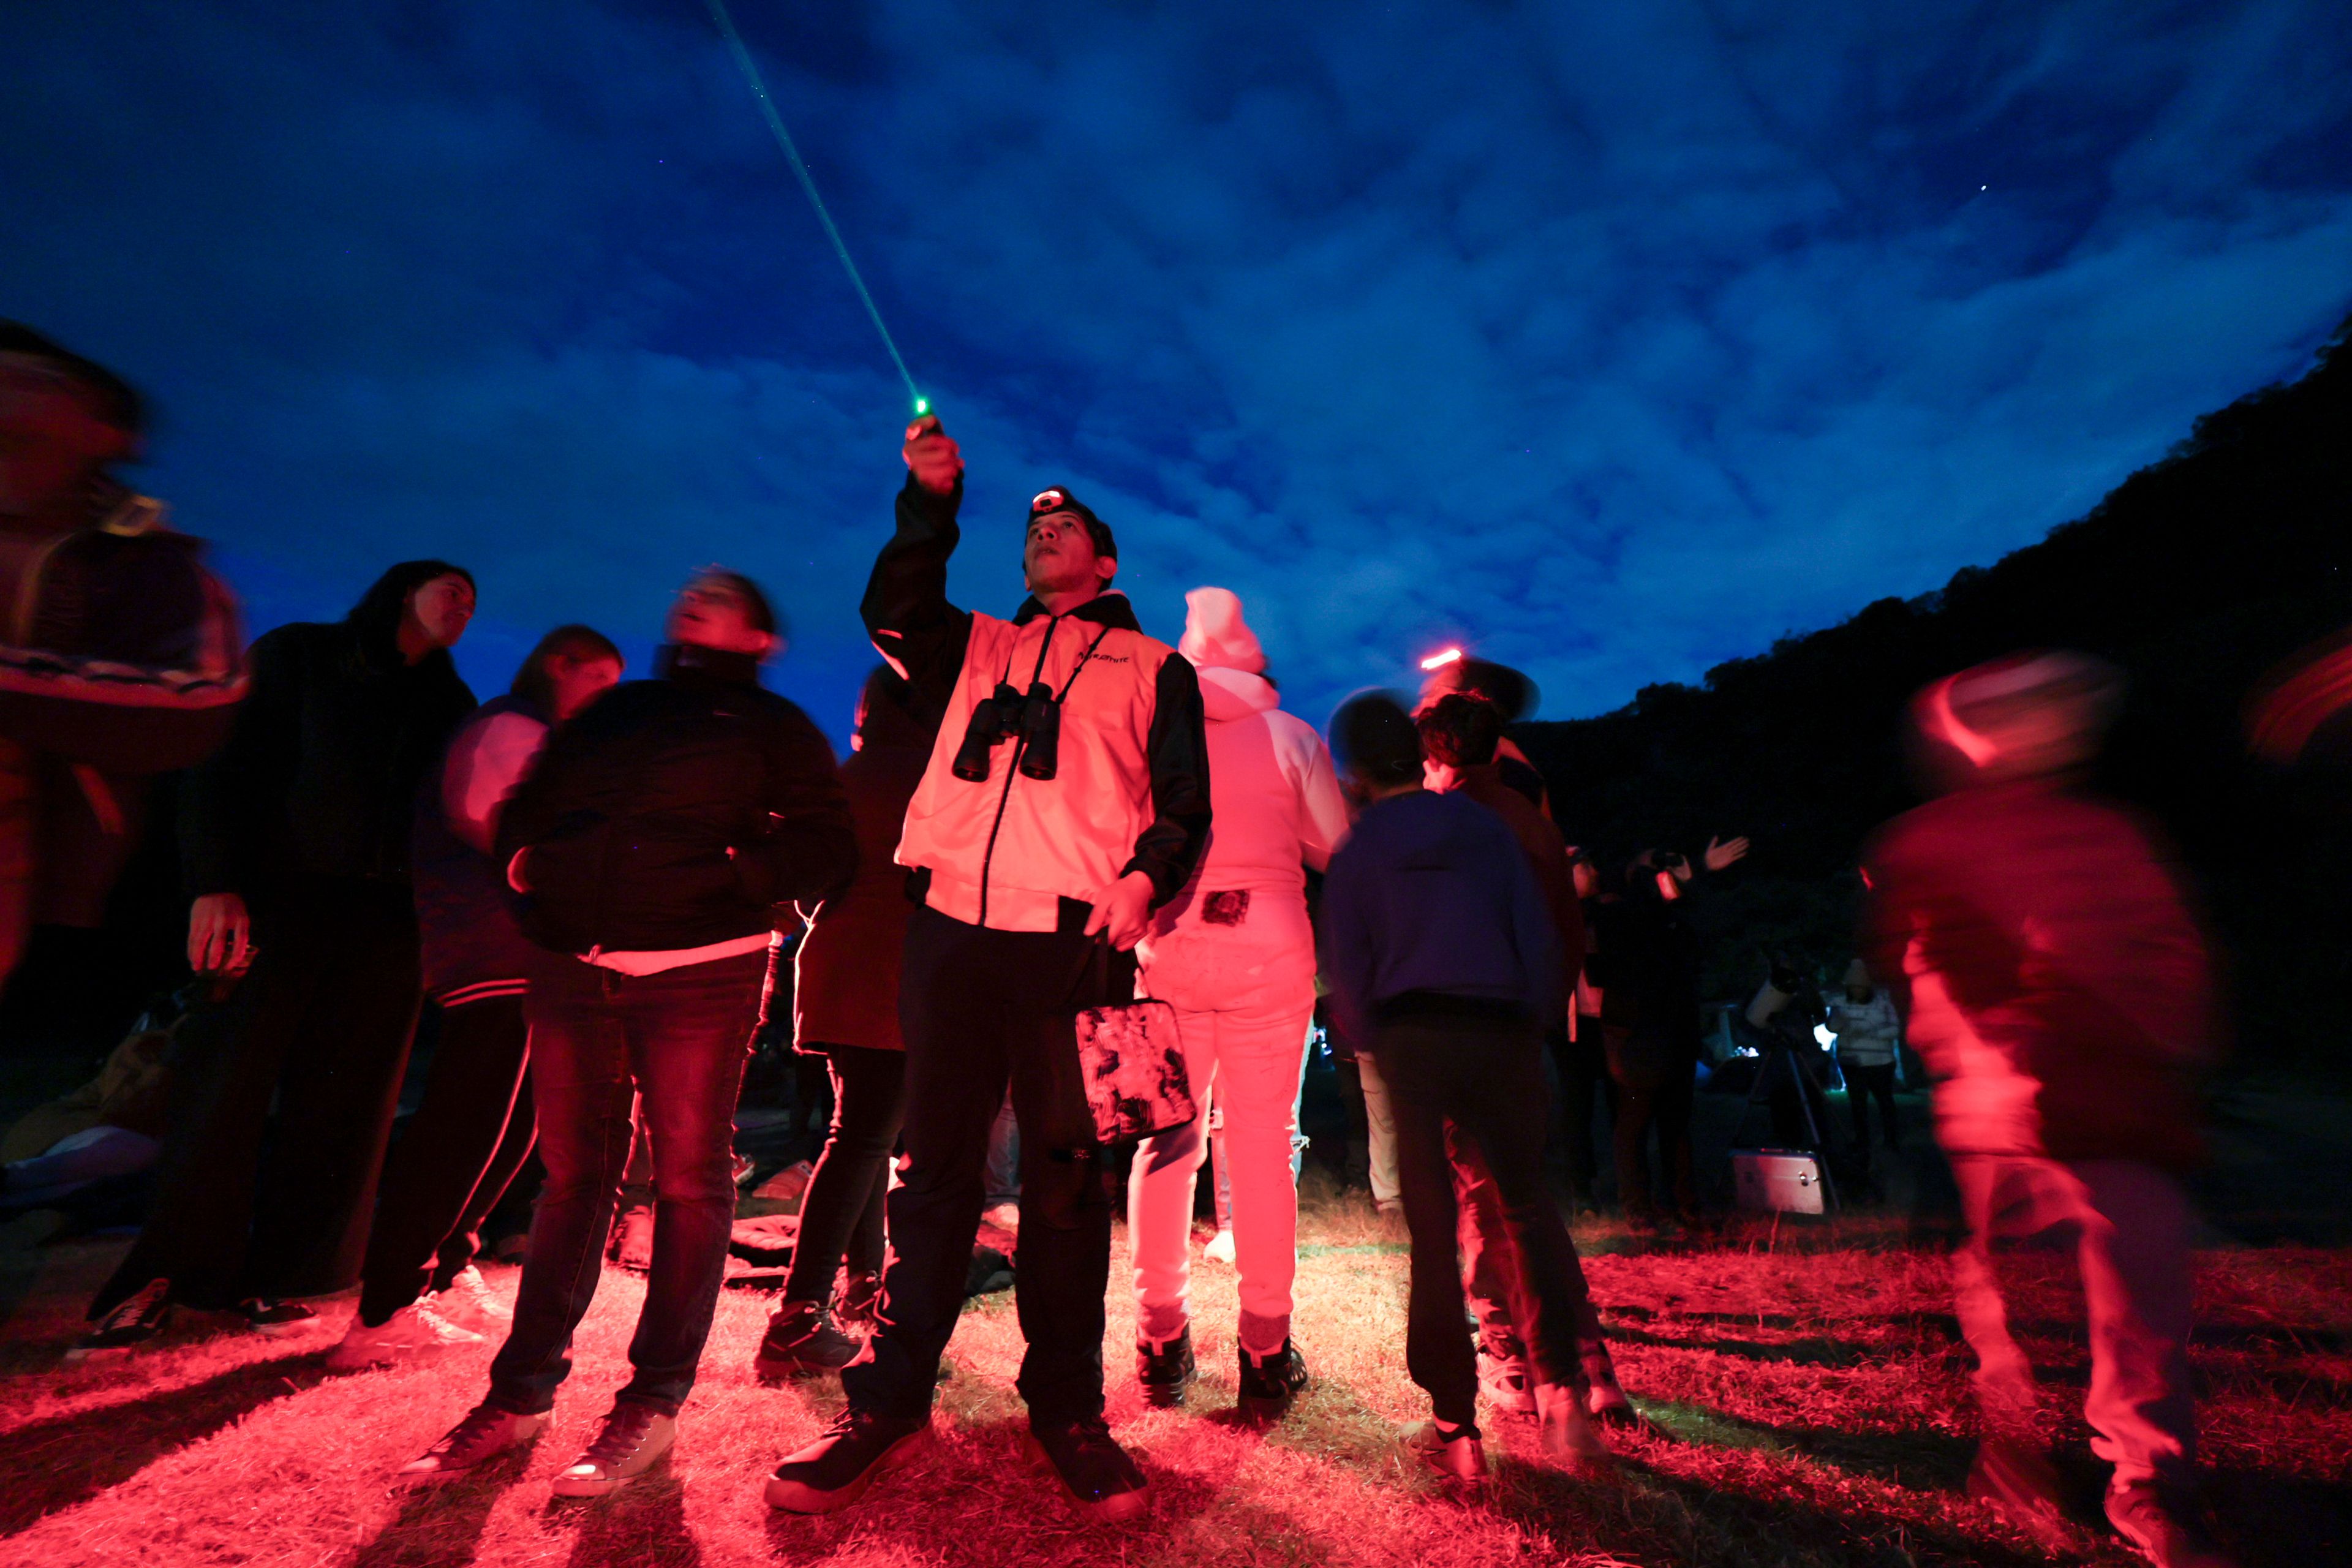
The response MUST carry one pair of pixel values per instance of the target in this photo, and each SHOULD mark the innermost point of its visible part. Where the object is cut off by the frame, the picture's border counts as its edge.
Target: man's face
(710, 613)
(1058, 555)
(51, 439)
(442, 608)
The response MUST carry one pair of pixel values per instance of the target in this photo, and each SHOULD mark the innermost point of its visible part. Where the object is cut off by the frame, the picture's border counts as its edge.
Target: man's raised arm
(906, 606)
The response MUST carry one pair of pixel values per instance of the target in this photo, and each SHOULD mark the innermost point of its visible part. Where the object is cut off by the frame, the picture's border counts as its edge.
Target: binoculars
(1035, 719)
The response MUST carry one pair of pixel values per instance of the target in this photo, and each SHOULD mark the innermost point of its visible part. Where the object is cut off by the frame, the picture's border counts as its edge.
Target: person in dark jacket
(652, 840)
(1063, 807)
(1444, 964)
(1459, 734)
(2062, 991)
(474, 1126)
(845, 1009)
(120, 657)
(295, 841)
(1646, 963)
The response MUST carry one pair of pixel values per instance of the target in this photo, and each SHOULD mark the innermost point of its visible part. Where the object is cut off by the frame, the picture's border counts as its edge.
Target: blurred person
(1515, 697)
(419, 1290)
(845, 1010)
(1443, 962)
(1868, 1030)
(295, 842)
(120, 657)
(1234, 954)
(1587, 1091)
(1459, 734)
(2060, 990)
(1067, 796)
(652, 841)
(1646, 963)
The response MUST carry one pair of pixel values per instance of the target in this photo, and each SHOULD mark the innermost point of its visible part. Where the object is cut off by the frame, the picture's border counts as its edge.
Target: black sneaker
(858, 1300)
(834, 1471)
(1094, 1470)
(802, 1341)
(2165, 1525)
(1165, 1370)
(133, 1321)
(1269, 1384)
(268, 1315)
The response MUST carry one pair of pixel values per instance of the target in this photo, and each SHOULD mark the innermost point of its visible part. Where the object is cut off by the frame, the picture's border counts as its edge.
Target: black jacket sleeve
(231, 797)
(906, 606)
(809, 849)
(1177, 748)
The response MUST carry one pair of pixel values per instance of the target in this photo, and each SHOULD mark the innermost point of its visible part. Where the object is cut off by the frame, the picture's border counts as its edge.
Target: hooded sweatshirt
(1278, 808)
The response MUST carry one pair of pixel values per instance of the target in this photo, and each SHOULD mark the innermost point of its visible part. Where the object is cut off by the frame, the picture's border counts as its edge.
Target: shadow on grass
(1914, 1459)
(1814, 1350)
(1006, 1506)
(57, 1463)
(1633, 1513)
(2281, 1522)
(645, 1522)
(441, 1526)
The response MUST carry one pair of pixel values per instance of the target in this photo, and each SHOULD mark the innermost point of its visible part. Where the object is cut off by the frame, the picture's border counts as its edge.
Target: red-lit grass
(1813, 1397)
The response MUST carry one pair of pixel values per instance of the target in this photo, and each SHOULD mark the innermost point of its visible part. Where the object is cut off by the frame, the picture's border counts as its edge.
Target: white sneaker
(624, 1447)
(483, 1435)
(1220, 1248)
(470, 1303)
(1004, 1216)
(411, 1333)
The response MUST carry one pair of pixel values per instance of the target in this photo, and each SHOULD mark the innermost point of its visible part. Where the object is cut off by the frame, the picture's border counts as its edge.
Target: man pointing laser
(1066, 797)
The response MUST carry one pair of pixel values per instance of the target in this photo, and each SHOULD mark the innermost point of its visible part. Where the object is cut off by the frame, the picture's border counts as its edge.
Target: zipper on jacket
(1012, 769)
(1021, 746)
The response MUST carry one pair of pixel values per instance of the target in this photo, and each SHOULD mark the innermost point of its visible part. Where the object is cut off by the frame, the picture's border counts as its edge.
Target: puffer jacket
(676, 813)
(1131, 793)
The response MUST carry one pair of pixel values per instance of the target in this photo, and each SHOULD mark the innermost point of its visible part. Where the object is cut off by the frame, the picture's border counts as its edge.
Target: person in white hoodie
(1233, 953)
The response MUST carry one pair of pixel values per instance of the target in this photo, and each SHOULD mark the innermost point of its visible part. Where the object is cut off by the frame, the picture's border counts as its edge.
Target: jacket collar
(1107, 608)
(691, 664)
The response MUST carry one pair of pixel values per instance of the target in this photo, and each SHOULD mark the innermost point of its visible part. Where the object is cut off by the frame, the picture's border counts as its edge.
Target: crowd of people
(1041, 816)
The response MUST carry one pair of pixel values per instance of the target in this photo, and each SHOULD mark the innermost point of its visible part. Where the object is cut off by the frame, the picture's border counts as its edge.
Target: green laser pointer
(785, 138)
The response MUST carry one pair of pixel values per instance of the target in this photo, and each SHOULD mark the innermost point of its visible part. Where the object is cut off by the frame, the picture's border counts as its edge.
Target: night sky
(1612, 339)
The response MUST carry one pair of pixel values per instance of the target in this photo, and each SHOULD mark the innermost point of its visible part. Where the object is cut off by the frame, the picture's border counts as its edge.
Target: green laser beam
(784, 140)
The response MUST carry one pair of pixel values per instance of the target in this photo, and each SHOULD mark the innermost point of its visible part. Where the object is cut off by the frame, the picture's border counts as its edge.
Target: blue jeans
(599, 1039)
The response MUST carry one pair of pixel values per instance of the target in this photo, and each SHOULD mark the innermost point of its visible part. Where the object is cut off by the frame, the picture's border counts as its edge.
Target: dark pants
(252, 1204)
(1665, 1104)
(982, 1009)
(1584, 1088)
(841, 1213)
(1489, 1266)
(1864, 1083)
(1485, 1077)
(454, 1159)
(599, 1039)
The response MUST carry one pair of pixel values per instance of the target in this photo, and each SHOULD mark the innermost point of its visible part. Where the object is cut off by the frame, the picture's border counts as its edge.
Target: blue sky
(1612, 339)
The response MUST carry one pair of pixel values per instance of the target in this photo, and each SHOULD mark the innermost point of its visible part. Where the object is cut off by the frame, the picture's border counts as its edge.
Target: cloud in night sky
(1614, 340)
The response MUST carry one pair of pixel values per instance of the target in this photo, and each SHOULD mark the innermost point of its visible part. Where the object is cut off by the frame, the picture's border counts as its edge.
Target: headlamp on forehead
(1055, 499)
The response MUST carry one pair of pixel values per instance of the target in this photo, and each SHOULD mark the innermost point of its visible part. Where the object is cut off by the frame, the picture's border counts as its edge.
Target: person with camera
(651, 843)
(1067, 797)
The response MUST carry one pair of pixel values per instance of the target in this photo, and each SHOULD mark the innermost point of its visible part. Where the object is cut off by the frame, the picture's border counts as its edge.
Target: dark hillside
(2197, 574)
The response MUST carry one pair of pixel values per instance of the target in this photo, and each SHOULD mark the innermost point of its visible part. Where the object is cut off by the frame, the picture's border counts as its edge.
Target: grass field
(1807, 1386)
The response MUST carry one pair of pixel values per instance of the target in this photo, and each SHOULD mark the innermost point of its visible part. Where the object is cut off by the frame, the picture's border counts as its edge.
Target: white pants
(1380, 1132)
(2131, 1224)
(1243, 1055)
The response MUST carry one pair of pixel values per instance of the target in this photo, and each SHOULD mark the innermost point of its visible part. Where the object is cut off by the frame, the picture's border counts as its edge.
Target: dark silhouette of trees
(2197, 574)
